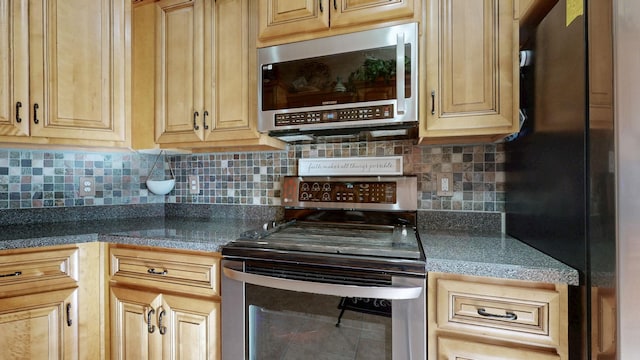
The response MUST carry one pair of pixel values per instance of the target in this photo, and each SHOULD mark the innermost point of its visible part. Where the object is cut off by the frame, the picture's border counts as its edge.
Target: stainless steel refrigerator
(560, 170)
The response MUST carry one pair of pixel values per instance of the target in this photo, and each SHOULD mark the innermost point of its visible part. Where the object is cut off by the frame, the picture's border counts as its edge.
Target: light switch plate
(444, 184)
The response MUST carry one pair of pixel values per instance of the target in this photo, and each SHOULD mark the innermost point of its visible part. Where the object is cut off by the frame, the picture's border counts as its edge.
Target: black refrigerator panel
(560, 174)
(546, 166)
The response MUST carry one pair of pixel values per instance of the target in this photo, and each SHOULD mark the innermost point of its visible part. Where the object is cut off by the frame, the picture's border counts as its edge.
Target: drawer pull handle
(154, 272)
(433, 102)
(17, 273)
(18, 106)
(204, 120)
(35, 113)
(161, 328)
(195, 124)
(150, 327)
(69, 321)
(508, 315)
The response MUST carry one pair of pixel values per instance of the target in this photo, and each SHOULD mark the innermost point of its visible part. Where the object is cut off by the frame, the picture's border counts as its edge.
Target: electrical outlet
(445, 184)
(87, 186)
(194, 184)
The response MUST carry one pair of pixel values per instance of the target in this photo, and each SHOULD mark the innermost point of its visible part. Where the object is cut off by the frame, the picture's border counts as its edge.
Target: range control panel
(348, 192)
(379, 112)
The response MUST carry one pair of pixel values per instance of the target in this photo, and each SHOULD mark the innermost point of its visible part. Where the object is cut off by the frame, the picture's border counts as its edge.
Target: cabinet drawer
(462, 349)
(28, 270)
(166, 270)
(518, 313)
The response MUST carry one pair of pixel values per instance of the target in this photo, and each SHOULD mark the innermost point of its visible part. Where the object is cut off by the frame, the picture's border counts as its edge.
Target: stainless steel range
(342, 276)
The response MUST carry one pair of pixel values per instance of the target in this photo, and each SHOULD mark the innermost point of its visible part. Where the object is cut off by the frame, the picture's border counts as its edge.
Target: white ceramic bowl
(161, 187)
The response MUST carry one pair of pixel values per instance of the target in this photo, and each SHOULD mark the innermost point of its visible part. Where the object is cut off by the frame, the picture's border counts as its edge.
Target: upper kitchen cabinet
(14, 68)
(64, 74)
(470, 78)
(283, 21)
(194, 77)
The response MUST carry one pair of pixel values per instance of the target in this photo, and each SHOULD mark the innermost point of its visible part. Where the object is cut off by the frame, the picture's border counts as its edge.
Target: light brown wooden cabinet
(39, 303)
(470, 82)
(282, 21)
(474, 317)
(195, 76)
(604, 332)
(165, 304)
(64, 74)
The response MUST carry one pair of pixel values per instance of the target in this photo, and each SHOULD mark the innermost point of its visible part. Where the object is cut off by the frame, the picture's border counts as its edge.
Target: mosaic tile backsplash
(36, 178)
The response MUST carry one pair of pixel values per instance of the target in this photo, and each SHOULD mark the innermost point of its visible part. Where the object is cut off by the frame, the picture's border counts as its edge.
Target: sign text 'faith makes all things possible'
(370, 166)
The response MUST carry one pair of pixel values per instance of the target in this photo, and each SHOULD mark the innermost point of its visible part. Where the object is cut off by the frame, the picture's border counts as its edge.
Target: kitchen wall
(37, 179)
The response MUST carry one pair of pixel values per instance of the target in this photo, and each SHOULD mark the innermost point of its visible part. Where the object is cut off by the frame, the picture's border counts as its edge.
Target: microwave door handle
(378, 292)
(400, 74)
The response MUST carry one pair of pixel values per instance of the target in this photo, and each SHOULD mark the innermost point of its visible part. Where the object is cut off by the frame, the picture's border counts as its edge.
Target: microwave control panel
(379, 112)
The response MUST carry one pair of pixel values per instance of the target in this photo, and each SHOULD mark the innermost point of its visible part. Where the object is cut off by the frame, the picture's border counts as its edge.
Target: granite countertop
(175, 233)
(493, 255)
(468, 253)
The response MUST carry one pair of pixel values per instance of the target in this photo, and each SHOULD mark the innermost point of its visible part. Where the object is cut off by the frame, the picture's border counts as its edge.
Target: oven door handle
(378, 292)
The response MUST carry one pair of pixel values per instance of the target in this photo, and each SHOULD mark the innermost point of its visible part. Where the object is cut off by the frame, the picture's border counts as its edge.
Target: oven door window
(294, 325)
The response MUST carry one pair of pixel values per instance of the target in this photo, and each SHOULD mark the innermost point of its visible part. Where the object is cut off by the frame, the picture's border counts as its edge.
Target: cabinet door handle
(335, 5)
(204, 120)
(18, 106)
(161, 328)
(35, 113)
(195, 121)
(16, 273)
(154, 272)
(508, 315)
(69, 321)
(321, 7)
(150, 328)
(433, 102)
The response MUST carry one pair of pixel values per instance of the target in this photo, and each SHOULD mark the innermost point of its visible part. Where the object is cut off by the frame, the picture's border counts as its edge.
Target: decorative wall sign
(388, 165)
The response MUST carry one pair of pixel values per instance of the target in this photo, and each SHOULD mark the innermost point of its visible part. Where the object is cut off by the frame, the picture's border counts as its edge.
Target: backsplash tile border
(48, 178)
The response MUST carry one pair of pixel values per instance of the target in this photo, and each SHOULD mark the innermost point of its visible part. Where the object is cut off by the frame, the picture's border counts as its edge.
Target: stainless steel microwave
(342, 85)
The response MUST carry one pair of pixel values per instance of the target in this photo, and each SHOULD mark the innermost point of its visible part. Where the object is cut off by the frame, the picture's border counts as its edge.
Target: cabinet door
(77, 59)
(180, 66)
(455, 349)
(231, 93)
(192, 328)
(353, 12)
(14, 68)
(471, 69)
(133, 324)
(42, 326)
(280, 18)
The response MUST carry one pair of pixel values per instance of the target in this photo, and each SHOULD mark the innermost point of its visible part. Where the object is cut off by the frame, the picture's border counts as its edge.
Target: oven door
(345, 317)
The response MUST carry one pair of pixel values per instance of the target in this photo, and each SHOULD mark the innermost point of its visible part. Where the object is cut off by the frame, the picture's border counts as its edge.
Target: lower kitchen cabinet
(150, 325)
(165, 304)
(453, 349)
(39, 326)
(39, 303)
(472, 317)
(603, 327)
